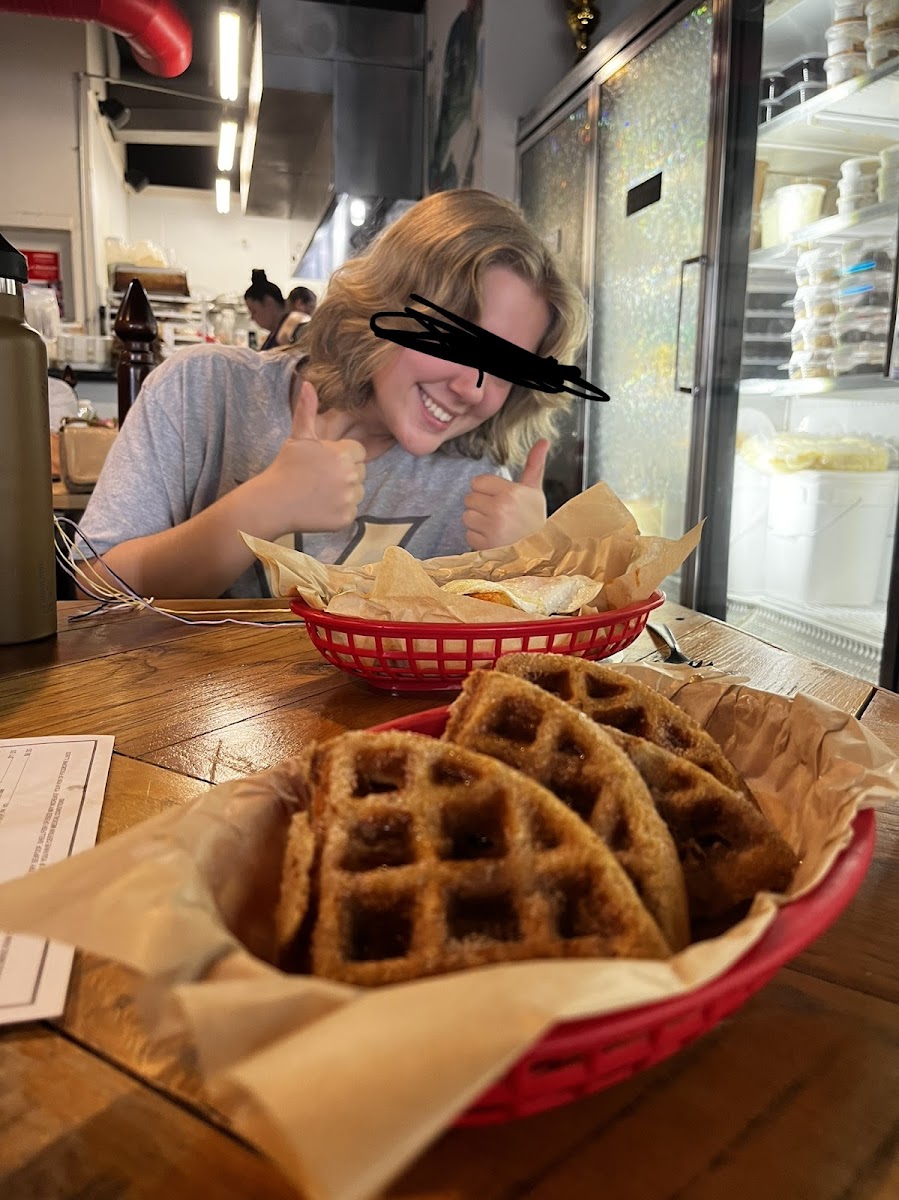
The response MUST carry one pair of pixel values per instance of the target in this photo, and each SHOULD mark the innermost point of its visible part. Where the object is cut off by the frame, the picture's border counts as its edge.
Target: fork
(675, 654)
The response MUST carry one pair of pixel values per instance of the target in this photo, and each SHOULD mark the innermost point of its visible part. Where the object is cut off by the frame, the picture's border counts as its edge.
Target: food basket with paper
(481, 911)
(583, 585)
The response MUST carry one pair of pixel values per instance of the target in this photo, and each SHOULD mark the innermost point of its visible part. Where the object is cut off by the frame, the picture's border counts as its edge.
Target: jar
(882, 15)
(881, 47)
(841, 67)
(846, 38)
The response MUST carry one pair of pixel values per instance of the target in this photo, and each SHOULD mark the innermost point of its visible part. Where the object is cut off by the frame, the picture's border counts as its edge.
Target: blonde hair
(440, 249)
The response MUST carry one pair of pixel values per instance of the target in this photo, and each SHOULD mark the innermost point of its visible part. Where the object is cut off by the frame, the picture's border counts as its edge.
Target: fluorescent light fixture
(222, 194)
(227, 145)
(229, 54)
(357, 212)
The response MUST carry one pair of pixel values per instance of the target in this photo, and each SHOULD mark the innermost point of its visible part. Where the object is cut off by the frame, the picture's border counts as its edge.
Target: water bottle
(27, 549)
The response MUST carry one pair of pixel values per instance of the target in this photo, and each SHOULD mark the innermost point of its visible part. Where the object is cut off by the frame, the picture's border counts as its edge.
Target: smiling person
(346, 443)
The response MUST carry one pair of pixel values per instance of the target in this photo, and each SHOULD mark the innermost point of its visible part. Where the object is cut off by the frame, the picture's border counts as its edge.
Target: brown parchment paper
(343, 1087)
(593, 535)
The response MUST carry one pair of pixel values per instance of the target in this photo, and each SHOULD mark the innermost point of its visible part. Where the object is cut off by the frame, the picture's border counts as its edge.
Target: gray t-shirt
(210, 418)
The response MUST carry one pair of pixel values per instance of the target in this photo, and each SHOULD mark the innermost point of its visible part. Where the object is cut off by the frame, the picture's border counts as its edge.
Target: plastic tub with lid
(813, 333)
(888, 188)
(820, 301)
(889, 158)
(881, 47)
(848, 10)
(858, 326)
(811, 364)
(864, 358)
(857, 202)
(826, 535)
(868, 254)
(748, 530)
(818, 265)
(882, 15)
(872, 290)
(846, 37)
(854, 168)
(840, 67)
(798, 205)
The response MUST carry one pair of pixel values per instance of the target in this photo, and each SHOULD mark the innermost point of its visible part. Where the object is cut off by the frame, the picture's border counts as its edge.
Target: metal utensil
(675, 654)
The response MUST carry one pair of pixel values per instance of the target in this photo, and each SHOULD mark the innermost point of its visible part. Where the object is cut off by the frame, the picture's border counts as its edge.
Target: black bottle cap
(12, 263)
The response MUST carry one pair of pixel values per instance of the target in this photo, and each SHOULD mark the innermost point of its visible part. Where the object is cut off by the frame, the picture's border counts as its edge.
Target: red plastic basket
(411, 657)
(581, 1057)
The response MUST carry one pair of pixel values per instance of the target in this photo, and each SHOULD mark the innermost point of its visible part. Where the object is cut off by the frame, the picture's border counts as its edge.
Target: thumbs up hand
(317, 485)
(499, 511)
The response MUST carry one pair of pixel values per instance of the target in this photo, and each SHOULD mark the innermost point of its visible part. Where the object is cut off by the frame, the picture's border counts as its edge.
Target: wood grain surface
(796, 1097)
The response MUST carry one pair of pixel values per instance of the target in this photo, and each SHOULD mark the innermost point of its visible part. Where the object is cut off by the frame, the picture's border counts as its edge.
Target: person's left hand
(499, 511)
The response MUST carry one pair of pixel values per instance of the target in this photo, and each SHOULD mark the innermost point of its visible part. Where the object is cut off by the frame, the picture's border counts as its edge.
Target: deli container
(840, 67)
(881, 47)
(811, 364)
(846, 37)
(812, 333)
(798, 205)
(848, 10)
(820, 301)
(855, 327)
(818, 265)
(882, 15)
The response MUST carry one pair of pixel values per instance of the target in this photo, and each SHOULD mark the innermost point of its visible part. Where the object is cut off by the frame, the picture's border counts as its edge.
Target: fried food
(610, 697)
(547, 595)
(551, 742)
(434, 858)
(293, 900)
(728, 849)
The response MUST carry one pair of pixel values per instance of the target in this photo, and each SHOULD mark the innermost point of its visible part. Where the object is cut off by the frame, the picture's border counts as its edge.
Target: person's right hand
(318, 484)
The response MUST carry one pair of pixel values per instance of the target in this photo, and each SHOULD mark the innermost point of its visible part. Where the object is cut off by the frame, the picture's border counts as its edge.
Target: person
(266, 306)
(301, 304)
(348, 443)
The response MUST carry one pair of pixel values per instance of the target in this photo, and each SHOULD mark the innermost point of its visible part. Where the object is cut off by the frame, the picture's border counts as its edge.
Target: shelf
(855, 118)
(864, 387)
(880, 220)
(848, 639)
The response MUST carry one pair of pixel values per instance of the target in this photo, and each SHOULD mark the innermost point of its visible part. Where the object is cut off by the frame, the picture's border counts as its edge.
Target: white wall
(108, 196)
(38, 130)
(218, 250)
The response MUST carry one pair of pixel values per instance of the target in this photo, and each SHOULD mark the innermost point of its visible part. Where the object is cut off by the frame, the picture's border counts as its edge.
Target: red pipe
(157, 32)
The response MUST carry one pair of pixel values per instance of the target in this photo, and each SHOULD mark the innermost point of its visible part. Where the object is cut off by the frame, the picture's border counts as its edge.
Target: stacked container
(862, 326)
(882, 42)
(858, 184)
(888, 176)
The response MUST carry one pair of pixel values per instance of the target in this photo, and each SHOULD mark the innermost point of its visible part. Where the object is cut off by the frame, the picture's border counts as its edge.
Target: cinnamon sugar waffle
(612, 698)
(433, 858)
(550, 741)
(728, 849)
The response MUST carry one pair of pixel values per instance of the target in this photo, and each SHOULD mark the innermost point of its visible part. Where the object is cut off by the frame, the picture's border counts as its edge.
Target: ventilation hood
(336, 106)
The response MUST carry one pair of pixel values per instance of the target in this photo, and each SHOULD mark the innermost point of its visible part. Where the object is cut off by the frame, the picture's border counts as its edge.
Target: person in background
(347, 444)
(265, 304)
(301, 304)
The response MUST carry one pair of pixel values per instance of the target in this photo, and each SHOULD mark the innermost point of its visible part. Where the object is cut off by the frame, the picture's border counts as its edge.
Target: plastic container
(812, 334)
(770, 223)
(889, 158)
(870, 290)
(826, 535)
(848, 10)
(881, 47)
(841, 67)
(860, 168)
(846, 37)
(882, 15)
(864, 358)
(887, 186)
(800, 92)
(818, 301)
(855, 203)
(807, 68)
(748, 530)
(867, 255)
(798, 205)
(857, 326)
(818, 265)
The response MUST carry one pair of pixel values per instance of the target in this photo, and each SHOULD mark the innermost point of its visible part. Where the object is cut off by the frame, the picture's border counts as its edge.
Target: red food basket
(402, 656)
(581, 1057)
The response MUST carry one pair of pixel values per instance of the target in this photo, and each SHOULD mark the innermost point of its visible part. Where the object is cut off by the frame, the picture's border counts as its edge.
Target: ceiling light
(357, 212)
(227, 145)
(115, 112)
(229, 54)
(222, 194)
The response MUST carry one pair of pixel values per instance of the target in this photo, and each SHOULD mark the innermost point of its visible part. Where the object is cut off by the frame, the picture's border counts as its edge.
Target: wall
(218, 250)
(39, 134)
(523, 51)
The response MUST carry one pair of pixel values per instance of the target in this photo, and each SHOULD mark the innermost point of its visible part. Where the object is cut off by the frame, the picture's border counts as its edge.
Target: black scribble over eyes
(461, 341)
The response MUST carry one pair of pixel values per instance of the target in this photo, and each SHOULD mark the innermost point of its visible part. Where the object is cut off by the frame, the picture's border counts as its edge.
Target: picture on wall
(455, 70)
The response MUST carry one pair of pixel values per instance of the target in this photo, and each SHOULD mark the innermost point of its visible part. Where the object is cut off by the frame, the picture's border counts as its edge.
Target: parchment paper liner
(343, 1088)
(593, 535)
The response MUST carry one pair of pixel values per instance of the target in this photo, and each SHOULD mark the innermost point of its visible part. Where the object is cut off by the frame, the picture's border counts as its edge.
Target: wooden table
(794, 1098)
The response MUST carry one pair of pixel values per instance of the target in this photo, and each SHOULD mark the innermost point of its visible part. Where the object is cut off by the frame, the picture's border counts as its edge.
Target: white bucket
(748, 530)
(828, 534)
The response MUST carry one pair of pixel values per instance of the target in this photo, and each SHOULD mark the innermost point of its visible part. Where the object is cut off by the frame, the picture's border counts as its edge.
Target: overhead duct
(157, 32)
(340, 95)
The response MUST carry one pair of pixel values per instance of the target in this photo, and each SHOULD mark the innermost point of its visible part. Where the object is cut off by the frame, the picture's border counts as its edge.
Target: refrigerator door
(555, 179)
(649, 273)
(816, 473)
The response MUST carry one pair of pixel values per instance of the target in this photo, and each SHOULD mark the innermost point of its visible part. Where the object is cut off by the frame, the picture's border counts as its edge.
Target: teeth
(434, 409)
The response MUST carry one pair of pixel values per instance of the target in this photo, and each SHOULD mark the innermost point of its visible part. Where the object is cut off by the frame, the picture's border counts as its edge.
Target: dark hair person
(302, 300)
(265, 304)
(346, 443)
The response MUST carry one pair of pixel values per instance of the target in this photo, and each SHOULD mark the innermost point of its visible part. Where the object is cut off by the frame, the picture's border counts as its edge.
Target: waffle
(433, 859)
(728, 849)
(613, 698)
(559, 747)
(293, 900)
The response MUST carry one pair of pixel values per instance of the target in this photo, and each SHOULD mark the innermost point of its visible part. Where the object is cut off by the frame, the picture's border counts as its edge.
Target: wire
(79, 567)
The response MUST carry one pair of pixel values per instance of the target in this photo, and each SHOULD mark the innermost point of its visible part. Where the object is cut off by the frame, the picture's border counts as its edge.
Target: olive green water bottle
(27, 560)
